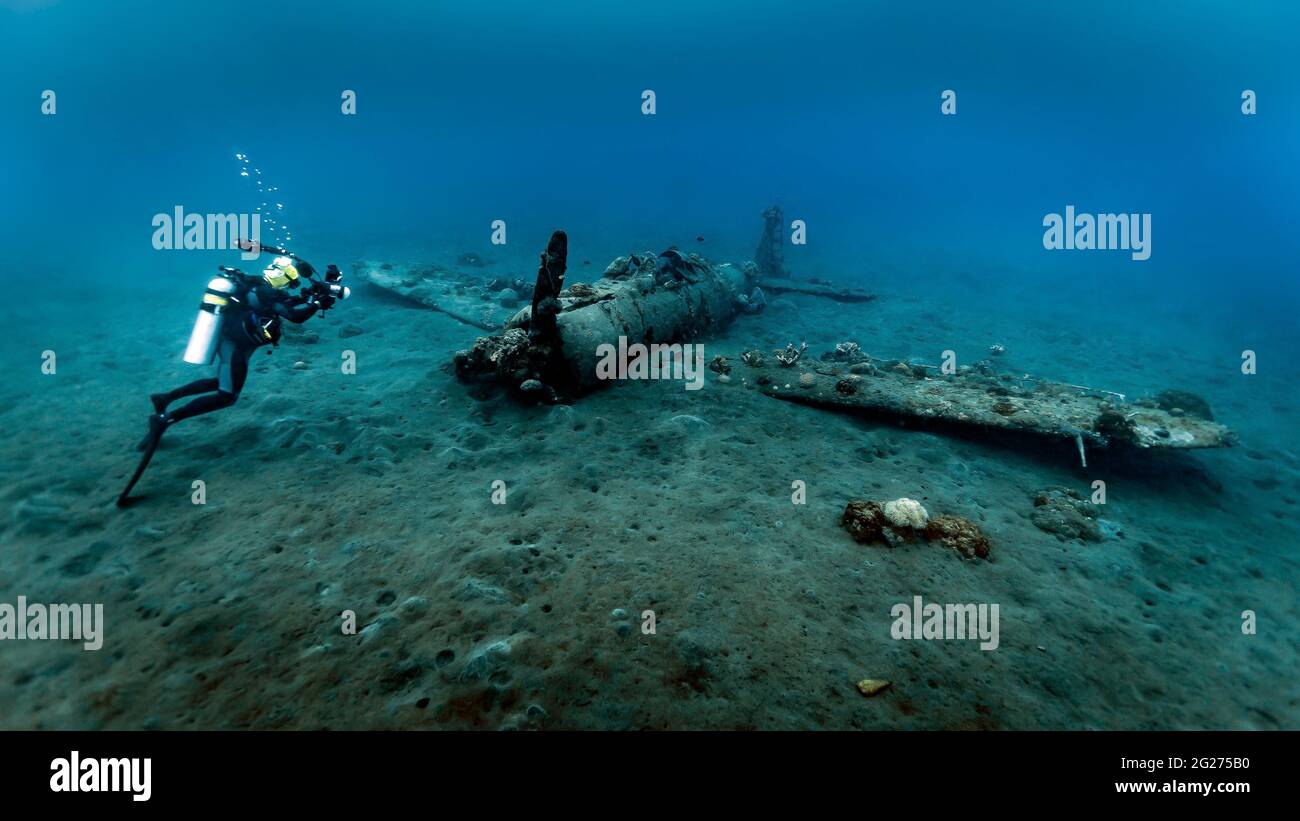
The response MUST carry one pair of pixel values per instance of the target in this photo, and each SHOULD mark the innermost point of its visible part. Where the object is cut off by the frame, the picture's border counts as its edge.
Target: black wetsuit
(235, 348)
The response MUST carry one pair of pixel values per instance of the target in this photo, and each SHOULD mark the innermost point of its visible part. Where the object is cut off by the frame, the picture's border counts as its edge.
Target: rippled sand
(372, 493)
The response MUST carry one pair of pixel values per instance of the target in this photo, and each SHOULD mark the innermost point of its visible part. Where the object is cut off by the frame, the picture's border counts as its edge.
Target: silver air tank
(207, 328)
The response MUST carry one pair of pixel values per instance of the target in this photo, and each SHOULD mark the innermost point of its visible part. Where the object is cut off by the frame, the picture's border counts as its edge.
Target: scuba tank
(207, 327)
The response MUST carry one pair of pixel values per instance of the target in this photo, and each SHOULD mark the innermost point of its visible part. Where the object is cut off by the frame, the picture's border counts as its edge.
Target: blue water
(531, 113)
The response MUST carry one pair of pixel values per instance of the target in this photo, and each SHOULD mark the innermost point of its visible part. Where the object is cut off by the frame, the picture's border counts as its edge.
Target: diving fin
(159, 401)
(157, 424)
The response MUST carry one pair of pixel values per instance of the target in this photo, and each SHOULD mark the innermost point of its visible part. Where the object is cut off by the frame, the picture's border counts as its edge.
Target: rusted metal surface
(974, 397)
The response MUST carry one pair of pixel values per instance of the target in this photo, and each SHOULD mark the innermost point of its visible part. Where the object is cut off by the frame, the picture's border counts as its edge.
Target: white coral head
(906, 513)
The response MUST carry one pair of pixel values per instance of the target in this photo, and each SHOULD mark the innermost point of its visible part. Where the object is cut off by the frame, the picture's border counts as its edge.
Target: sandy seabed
(372, 492)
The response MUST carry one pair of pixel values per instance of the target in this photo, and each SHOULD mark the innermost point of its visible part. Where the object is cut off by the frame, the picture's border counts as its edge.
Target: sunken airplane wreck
(549, 350)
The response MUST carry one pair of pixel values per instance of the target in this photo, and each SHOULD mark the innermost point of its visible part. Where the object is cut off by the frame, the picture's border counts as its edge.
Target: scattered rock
(807, 380)
(901, 520)
(348, 331)
(960, 534)
(1063, 512)
(848, 352)
(1185, 401)
(872, 686)
(892, 523)
(865, 521)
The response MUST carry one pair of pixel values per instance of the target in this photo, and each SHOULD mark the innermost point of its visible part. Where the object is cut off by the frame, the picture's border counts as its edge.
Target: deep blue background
(530, 112)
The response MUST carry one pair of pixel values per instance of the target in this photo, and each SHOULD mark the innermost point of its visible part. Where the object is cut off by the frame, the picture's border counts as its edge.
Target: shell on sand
(872, 686)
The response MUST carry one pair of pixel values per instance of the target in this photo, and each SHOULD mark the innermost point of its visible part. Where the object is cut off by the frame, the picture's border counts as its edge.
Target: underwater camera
(324, 293)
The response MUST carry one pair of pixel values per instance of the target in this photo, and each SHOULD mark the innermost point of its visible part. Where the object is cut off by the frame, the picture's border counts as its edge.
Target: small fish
(586, 262)
(700, 238)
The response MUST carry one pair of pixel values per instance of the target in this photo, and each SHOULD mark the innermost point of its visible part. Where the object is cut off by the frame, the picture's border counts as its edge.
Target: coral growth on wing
(791, 354)
(978, 395)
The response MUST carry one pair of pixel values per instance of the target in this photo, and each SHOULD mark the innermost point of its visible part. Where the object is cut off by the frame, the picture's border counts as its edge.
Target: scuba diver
(239, 314)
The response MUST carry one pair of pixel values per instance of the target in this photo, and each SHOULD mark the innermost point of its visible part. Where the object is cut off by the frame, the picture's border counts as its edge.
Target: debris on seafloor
(769, 257)
(1064, 513)
(906, 514)
(832, 292)
(791, 355)
(891, 522)
(979, 396)
(555, 344)
(772, 276)
(872, 686)
(865, 522)
(669, 298)
(643, 298)
(962, 535)
(462, 297)
(904, 520)
(657, 300)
